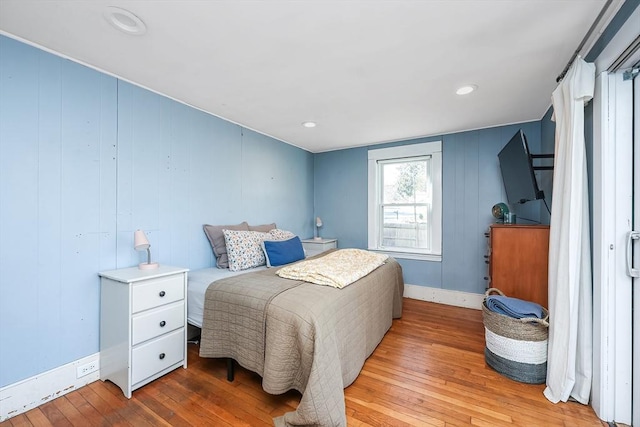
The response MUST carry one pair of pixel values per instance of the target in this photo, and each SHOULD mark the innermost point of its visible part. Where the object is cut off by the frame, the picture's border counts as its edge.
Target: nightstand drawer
(157, 292)
(157, 322)
(150, 358)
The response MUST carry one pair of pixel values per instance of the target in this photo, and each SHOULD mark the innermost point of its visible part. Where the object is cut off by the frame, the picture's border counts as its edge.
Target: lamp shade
(318, 222)
(140, 241)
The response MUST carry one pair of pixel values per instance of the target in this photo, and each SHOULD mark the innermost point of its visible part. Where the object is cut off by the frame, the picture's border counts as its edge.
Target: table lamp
(140, 243)
(318, 225)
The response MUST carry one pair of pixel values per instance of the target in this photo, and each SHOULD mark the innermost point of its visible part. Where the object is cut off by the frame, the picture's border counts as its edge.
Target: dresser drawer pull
(161, 356)
(162, 324)
(162, 293)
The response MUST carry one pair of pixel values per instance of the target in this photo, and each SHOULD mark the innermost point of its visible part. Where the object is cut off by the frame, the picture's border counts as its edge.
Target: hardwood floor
(428, 371)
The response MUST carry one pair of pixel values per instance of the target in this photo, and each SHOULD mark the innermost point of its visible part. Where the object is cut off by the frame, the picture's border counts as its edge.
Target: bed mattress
(197, 283)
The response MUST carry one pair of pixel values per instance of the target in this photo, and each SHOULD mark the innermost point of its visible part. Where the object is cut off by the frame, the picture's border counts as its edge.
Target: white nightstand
(316, 246)
(143, 317)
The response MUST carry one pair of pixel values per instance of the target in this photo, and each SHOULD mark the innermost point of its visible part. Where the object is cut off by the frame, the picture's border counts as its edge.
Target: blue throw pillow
(280, 252)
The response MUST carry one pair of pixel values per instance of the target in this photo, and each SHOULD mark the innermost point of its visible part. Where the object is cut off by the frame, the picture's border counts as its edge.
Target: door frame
(635, 409)
(612, 192)
(612, 209)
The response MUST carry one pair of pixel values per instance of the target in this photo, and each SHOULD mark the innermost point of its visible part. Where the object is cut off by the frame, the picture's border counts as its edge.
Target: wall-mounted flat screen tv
(517, 171)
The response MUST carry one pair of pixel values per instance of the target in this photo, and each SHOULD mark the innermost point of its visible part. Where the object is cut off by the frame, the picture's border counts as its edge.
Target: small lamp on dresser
(140, 243)
(318, 225)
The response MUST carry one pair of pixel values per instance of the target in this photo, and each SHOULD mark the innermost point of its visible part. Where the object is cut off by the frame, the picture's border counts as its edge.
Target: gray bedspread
(302, 336)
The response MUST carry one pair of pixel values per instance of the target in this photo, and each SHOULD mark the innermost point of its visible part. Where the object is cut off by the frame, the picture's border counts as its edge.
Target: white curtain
(569, 365)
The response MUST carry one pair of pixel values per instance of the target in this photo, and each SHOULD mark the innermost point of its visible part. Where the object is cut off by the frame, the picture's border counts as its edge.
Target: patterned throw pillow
(277, 234)
(244, 249)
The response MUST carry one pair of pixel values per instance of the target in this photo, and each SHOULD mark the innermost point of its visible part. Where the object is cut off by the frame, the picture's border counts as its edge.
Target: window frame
(376, 157)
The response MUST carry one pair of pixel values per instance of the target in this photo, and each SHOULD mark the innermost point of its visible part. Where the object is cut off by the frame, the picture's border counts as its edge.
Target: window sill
(409, 255)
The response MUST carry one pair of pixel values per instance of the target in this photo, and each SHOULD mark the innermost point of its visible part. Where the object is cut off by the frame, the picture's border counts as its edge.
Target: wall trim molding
(444, 296)
(29, 393)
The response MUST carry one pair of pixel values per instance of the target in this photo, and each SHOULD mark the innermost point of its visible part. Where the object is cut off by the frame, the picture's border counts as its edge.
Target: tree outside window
(406, 203)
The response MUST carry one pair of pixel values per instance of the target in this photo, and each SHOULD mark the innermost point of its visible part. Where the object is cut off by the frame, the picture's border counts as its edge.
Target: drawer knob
(161, 356)
(162, 324)
(162, 293)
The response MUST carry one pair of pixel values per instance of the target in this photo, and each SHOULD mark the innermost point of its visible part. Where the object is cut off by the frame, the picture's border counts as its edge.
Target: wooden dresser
(518, 259)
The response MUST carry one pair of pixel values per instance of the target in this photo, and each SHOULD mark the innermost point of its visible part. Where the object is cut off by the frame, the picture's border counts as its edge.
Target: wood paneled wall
(85, 160)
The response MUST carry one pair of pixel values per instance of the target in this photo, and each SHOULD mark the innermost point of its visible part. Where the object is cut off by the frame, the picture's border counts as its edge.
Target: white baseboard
(24, 395)
(444, 296)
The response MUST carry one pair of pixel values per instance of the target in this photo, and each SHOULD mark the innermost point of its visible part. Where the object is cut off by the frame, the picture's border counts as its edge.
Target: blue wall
(472, 184)
(86, 159)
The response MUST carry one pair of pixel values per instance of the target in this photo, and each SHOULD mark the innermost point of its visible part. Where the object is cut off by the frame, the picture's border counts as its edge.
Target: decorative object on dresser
(501, 213)
(142, 325)
(518, 261)
(318, 225)
(316, 246)
(141, 243)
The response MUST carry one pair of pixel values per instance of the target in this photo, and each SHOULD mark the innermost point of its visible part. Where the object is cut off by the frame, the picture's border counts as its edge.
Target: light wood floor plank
(38, 418)
(21, 420)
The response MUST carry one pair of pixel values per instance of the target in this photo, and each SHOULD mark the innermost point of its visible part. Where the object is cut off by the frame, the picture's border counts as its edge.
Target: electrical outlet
(87, 368)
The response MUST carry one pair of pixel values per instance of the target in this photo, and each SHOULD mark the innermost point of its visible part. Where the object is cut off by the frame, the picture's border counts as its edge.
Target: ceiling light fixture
(466, 90)
(124, 21)
(309, 124)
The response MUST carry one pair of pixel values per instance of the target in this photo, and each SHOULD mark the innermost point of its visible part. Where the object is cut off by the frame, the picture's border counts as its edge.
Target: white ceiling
(365, 71)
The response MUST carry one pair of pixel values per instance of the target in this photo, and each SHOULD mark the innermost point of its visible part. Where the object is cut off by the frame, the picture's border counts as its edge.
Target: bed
(295, 334)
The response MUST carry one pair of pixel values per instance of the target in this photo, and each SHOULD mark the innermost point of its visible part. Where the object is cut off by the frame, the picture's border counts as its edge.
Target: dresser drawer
(152, 357)
(160, 291)
(156, 322)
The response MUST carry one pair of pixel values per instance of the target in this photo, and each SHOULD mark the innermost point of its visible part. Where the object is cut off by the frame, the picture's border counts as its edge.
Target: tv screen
(517, 171)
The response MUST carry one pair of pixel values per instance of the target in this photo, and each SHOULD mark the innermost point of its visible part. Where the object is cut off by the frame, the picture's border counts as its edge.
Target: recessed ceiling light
(309, 124)
(465, 90)
(124, 21)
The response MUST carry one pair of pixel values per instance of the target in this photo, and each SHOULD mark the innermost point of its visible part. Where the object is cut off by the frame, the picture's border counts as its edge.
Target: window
(405, 201)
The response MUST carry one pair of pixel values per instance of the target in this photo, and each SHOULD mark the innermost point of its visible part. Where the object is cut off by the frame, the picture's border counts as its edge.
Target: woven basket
(516, 348)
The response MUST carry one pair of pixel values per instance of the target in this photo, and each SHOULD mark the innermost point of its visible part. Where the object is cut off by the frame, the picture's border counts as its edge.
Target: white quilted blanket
(337, 269)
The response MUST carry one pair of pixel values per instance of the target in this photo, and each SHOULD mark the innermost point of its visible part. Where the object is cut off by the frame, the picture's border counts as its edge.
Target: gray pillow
(264, 228)
(216, 238)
